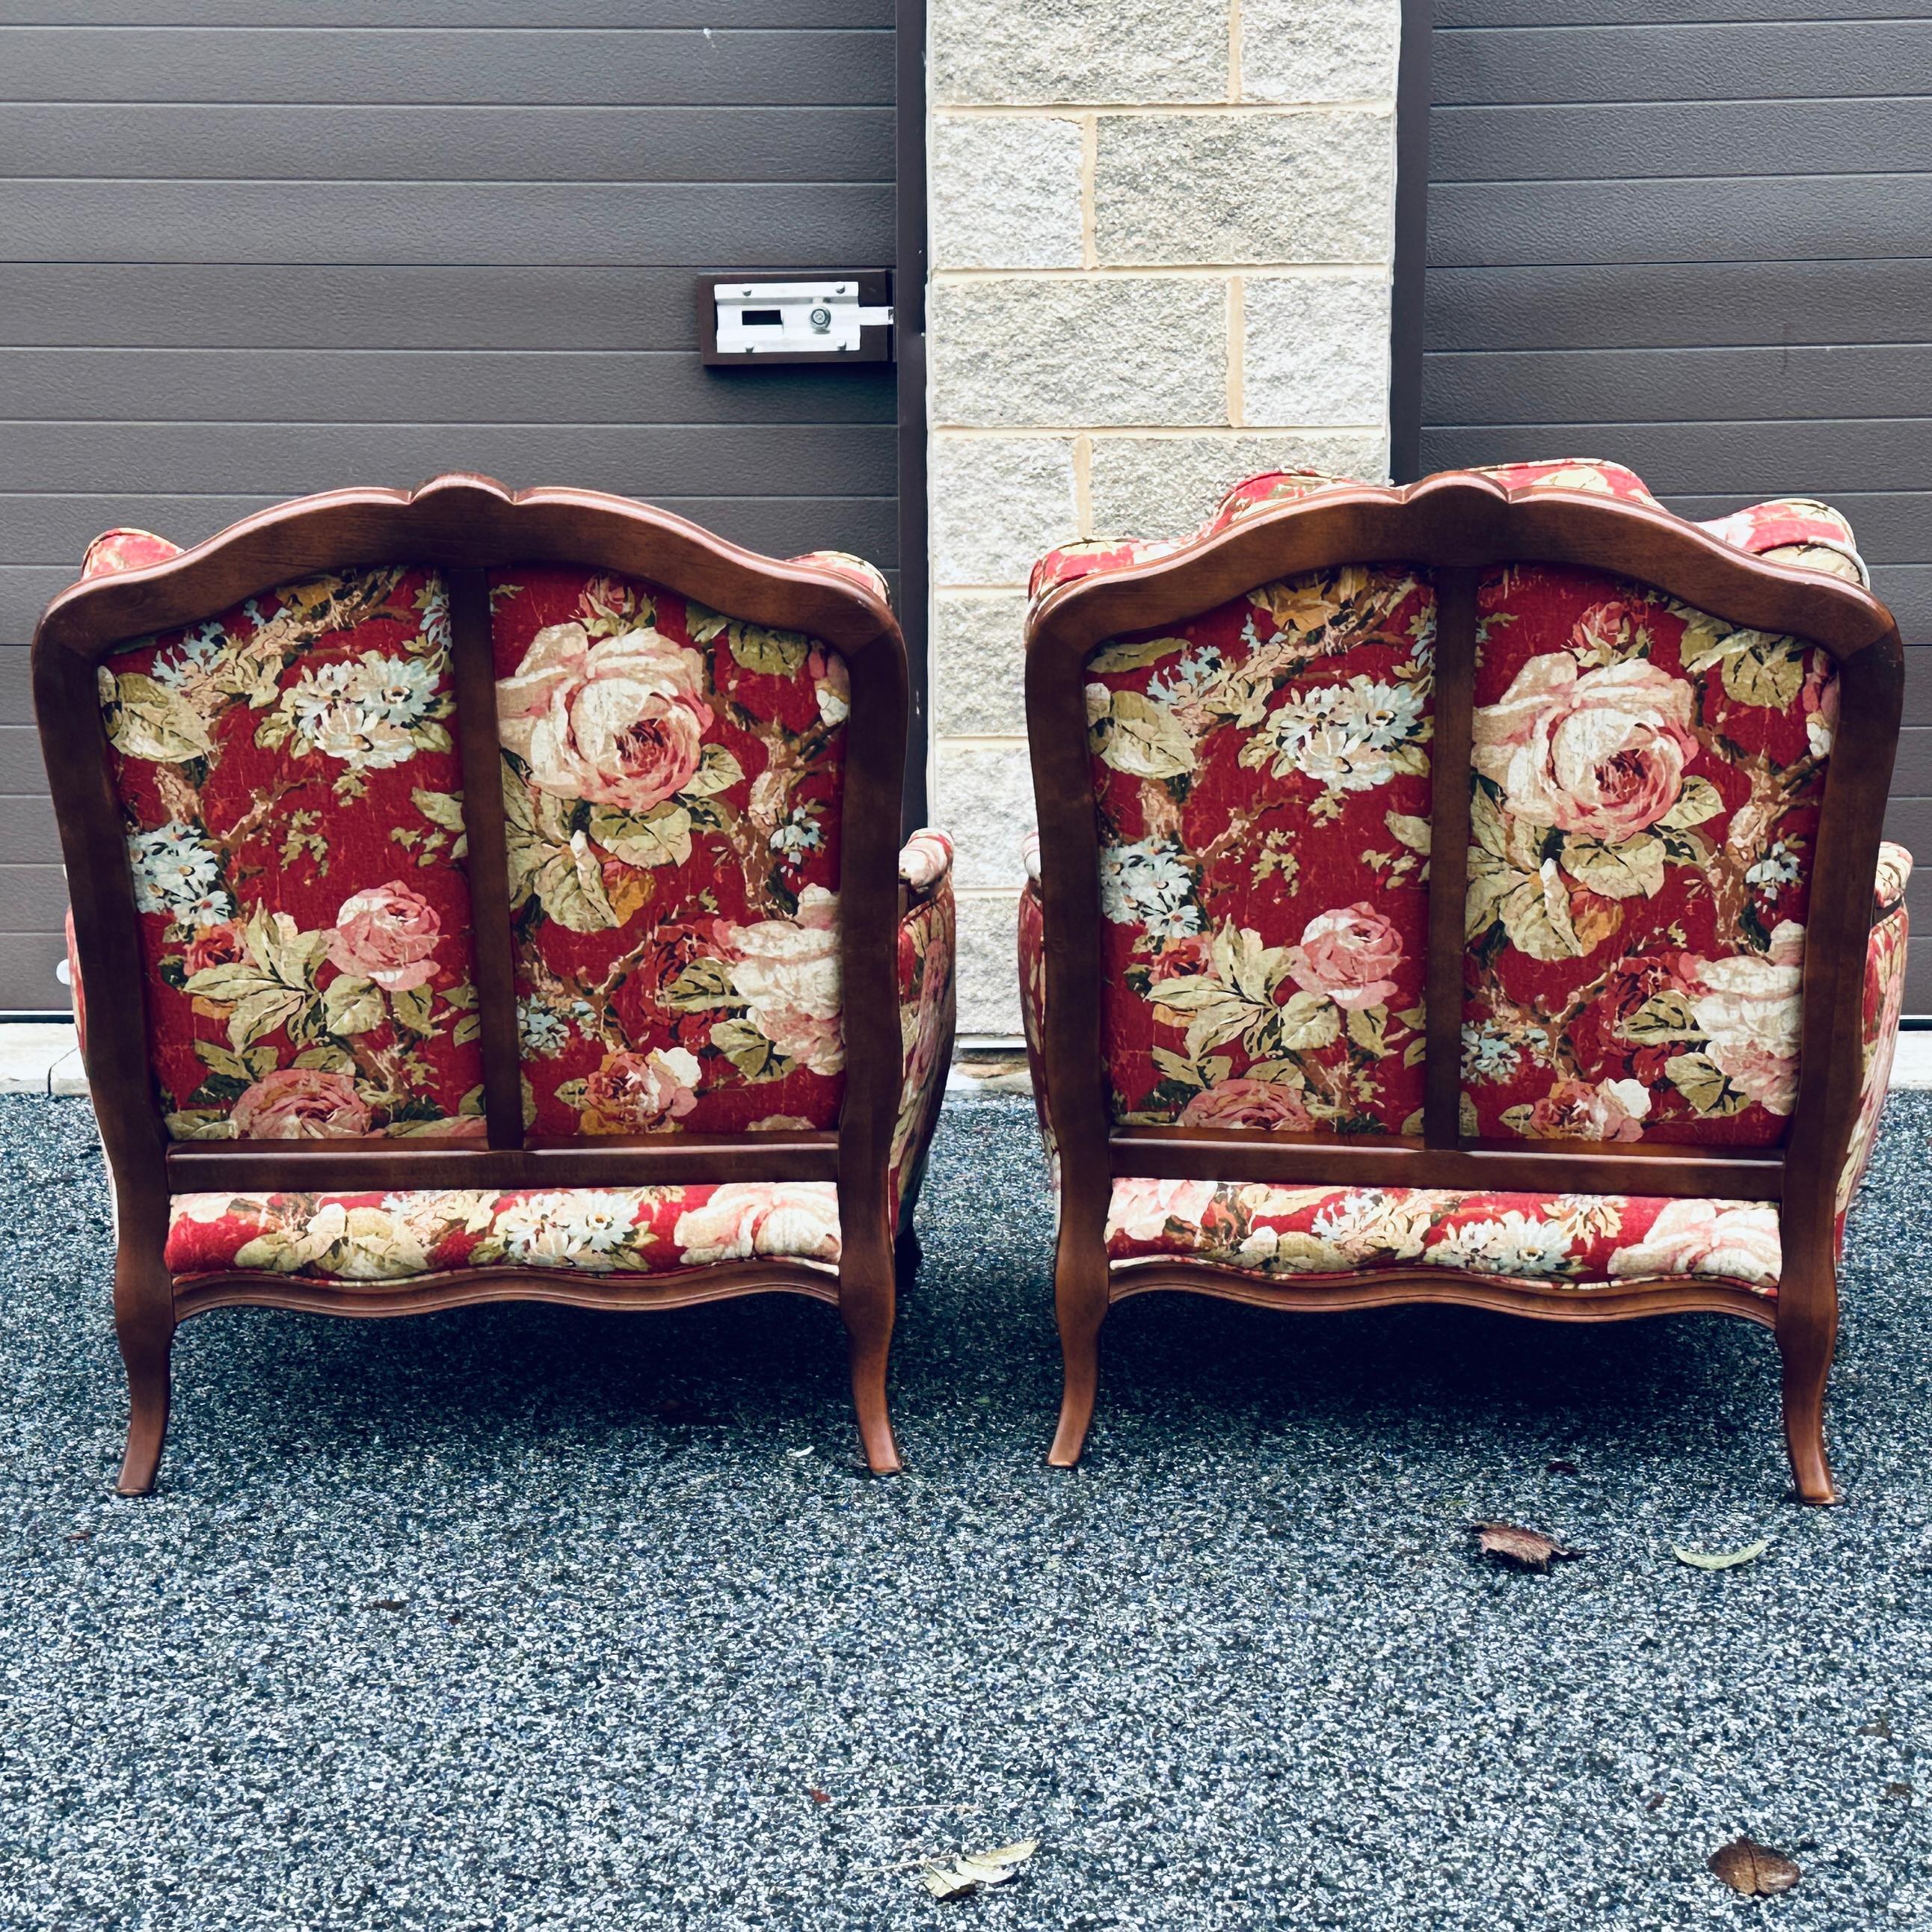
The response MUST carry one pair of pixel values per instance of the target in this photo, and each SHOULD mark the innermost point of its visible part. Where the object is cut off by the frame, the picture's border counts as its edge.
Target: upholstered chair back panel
(673, 780)
(291, 796)
(1647, 784)
(1261, 776)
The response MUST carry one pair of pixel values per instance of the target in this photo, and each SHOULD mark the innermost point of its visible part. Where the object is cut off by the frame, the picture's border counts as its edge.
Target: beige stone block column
(1162, 232)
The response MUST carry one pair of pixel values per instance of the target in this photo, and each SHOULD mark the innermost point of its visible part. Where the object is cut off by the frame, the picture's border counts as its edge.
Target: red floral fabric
(1260, 776)
(673, 778)
(375, 1238)
(114, 551)
(927, 1002)
(1646, 791)
(1336, 1234)
(1884, 997)
(295, 828)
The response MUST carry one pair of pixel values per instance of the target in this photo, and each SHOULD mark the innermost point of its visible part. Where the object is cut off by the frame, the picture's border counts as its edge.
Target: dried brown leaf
(1899, 1788)
(971, 1871)
(1720, 1559)
(1559, 1466)
(1527, 1549)
(1753, 1869)
(818, 1796)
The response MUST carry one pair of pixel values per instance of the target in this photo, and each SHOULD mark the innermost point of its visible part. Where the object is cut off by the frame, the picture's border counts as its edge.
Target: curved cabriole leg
(144, 1324)
(1806, 1350)
(1080, 1302)
(866, 1302)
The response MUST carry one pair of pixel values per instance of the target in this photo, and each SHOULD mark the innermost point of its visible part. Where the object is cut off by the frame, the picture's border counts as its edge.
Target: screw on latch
(821, 319)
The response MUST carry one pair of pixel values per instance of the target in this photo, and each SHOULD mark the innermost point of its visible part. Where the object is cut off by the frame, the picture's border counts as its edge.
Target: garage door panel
(1748, 60)
(226, 386)
(27, 835)
(703, 65)
(1641, 140)
(287, 459)
(465, 13)
(1657, 13)
(1823, 218)
(564, 307)
(28, 979)
(214, 141)
(445, 222)
(1692, 304)
(1704, 385)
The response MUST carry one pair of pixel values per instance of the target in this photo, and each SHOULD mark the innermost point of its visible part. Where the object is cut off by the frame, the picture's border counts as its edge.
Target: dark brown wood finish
(1448, 854)
(1459, 525)
(473, 655)
(466, 525)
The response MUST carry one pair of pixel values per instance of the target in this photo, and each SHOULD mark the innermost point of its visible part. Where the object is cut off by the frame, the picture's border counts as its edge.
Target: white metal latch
(792, 318)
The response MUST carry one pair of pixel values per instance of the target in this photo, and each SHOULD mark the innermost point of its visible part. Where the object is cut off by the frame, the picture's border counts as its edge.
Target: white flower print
(1488, 1056)
(544, 1031)
(175, 869)
(1343, 736)
(363, 713)
(1148, 884)
(1512, 1244)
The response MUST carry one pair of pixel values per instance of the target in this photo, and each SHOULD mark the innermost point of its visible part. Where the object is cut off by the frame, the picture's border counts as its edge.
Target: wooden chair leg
(1806, 1351)
(866, 1302)
(1080, 1301)
(147, 1345)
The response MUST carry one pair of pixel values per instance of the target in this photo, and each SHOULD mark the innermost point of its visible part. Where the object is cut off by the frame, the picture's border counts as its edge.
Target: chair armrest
(925, 862)
(1894, 874)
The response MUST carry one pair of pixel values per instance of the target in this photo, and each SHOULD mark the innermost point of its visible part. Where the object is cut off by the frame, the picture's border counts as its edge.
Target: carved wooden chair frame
(464, 525)
(1460, 524)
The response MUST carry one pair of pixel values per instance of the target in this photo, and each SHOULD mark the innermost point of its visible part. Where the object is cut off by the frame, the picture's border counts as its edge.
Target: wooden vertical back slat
(474, 661)
(1449, 851)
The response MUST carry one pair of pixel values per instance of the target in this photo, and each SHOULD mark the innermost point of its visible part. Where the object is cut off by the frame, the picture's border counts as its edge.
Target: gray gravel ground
(521, 1617)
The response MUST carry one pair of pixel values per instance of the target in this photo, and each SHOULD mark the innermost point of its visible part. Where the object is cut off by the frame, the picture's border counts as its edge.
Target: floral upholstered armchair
(470, 893)
(1469, 892)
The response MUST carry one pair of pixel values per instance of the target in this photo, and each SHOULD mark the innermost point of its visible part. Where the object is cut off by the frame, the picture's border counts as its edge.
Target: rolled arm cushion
(928, 999)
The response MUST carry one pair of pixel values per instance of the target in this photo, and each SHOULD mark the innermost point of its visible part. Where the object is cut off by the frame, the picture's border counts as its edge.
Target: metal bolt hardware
(821, 320)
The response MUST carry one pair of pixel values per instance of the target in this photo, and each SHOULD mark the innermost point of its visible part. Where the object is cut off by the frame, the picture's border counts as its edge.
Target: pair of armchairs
(1598, 1026)
(468, 891)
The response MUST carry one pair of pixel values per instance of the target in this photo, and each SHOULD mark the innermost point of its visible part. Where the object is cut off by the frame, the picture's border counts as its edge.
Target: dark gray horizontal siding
(1652, 13)
(252, 248)
(393, 16)
(284, 142)
(481, 223)
(1692, 304)
(1814, 218)
(193, 386)
(1629, 141)
(544, 66)
(309, 305)
(288, 458)
(1642, 385)
(1743, 61)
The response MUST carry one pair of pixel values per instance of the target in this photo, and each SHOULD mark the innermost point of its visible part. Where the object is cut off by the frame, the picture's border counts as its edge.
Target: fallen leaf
(1898, 1790)
(1753, 1869)
(818, 1796)
(1528, 1549)
(78, 1536)
(1560, 1465)
(1878, 1727)
(971, 1871)
(1721, 1559)
(386, 1603)
(1653, 1802)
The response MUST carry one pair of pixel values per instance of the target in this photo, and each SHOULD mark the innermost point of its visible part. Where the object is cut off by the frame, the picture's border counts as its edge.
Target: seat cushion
(1577, 1241)
(376, 1236)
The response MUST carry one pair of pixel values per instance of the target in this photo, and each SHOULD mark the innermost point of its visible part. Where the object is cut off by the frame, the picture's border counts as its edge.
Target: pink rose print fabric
(373, 1238)
(1574, 1242)
(672, 780)
(1261, 776)
(1646, 786)
(295, 828)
